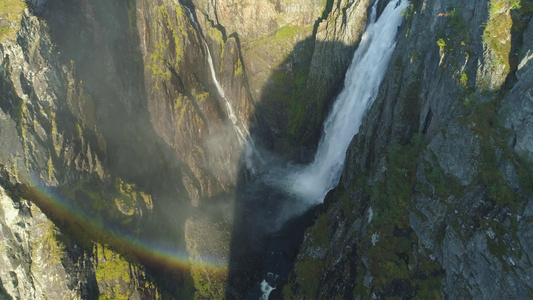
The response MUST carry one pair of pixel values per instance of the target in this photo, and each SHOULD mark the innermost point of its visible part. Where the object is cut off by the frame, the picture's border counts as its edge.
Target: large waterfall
(279, 194)
(311, 183)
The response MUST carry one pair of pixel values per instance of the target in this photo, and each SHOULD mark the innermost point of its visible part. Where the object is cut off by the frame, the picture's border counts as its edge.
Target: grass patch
(497, 33)
(10, 15)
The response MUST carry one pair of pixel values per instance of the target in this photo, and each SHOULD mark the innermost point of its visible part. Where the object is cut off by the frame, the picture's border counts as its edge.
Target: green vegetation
(296, 104)
(392, 256)
(114, 271)
(201, 97)
(128, 192)
(463, 80)
(237, 69)
(119, 203)
(209, 282)
(309, 270)
(444, 185)
(497, 33)
(454, 35)
(286, 89)
(392, 195)
(455, 32)
(79, 131)
(408, 14)
(483, 120)
(162, 57)
(179, 107)
(132, 18)
(50, 166)
(287, 31)
(391, 244)
(10, 13)
(524, 169)
(50, 244)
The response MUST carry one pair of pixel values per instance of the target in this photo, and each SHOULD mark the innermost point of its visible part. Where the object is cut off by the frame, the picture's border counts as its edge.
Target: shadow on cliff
(100, 39)
(286, 127)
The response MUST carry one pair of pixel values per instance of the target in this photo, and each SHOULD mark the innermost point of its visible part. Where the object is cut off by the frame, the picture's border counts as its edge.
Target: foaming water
(312, 182)
(266, 289)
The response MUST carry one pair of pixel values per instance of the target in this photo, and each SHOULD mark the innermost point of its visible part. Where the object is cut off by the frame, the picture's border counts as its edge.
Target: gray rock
(457, 150)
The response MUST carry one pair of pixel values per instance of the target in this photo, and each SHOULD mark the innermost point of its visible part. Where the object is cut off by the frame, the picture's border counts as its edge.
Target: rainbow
(66, 215)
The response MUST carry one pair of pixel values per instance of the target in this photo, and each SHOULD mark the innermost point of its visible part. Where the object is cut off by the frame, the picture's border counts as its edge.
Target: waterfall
(245, 139)
(239, 128)
(363, 78)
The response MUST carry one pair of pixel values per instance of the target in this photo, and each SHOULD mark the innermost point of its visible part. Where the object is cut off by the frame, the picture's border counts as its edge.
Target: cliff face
(54, 169)
(129, 120)
(435, 199)
(112, 118)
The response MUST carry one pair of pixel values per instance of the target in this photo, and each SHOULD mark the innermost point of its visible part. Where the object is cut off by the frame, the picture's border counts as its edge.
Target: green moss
(309, 270)
(444, 185)
(201, 97)
(181, 108)
(209, 282)
(10, 13)
(498, 29)
(360, 289)
(429, 286)
(290, 94)
(286, 31)
(238, 68)
(50, 168)
(131, 196)
(50, 244)
(79, 131)
(118, 203)
(524, 169)
(454, 37)
(132, 18)
(463, 80)
(408, 14)
(168, 30)
(484, 121)
(283, 36)
(114, 271)
(392, 256)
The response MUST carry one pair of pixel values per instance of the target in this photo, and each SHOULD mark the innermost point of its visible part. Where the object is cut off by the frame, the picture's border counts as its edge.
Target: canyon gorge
(244, 149)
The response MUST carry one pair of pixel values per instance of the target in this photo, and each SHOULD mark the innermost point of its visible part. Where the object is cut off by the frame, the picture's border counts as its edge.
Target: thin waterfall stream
(251, 155)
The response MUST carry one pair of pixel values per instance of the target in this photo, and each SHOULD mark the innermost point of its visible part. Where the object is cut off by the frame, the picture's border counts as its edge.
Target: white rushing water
(240, 129)
(266, 289)
(251, 156)
(361, 85)
(311, 183)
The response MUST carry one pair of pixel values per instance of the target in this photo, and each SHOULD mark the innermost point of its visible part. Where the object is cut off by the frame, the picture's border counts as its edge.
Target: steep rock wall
(435, 196)
(54, 149)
